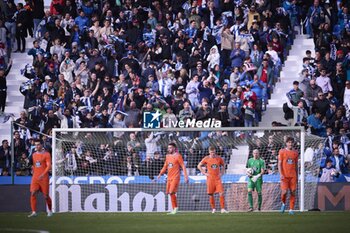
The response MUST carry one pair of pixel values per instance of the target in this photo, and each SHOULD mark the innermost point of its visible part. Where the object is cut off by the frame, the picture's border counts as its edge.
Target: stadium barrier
(15, 198)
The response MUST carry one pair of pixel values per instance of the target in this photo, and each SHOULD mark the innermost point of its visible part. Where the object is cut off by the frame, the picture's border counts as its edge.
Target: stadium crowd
(103, 63)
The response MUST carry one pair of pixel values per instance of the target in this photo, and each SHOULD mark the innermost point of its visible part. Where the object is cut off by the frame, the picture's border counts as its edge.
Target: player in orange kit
(288, 168)
(40, 179)
(173, 162)
(215, 169)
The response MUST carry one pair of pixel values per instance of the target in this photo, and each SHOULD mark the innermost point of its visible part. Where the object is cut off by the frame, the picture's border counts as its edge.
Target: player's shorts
(172, 186)
(214, 186)
(289, 183)
(255, 185)
(42, 186)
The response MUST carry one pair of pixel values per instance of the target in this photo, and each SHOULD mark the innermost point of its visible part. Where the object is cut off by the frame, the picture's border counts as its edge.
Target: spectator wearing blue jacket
(205, 91)
(343, 17)
(237, 56)
(317, 126)
(88, 9)
(35, 50)
(82, 21)
(259, 87)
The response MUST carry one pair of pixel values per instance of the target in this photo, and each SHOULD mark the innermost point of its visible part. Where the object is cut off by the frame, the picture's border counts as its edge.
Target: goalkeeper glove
(256, 177)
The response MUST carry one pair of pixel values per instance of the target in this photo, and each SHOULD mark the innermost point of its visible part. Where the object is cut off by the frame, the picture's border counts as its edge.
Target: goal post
(115, 170)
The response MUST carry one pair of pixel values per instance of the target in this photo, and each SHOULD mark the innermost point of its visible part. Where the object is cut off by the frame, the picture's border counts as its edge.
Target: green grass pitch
(190, 222)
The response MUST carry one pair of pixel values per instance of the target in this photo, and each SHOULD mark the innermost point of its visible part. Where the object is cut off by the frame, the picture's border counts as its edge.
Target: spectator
(192, 157)
(305, 82)
(316, 124)
(227, 41)
(186, 112)
(132, 118)
(192, 91)
(82, 21)
(346, 98)
(158, 163)
(151, 144)
(256, 55)
(133, 143)
(146, 167)
(324, 82)
(339, 161)
(259, 88)
(24, 166)
(5, 157)
(67, 120)
(56, 7)
(222, 115)
(21, 29)
(300, 114)
(295, 94)
(213, 58)
(266, 75)
(237, 56)
(234, 111)
(204, 112)
(329, 173)
(312, 92)
(205, 89)
(321, 104)
(249, 114)
(3, 86)
(169, 118)
(71, 161)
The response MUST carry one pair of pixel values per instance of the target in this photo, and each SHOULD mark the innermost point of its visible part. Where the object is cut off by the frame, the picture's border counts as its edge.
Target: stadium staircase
(15, 100)
(290, 72)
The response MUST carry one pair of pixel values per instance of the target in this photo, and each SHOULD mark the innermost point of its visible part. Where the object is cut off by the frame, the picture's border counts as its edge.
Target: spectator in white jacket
(192, 91)
(165, 84)
(67, 67)
(324, 82)
(67, 120)
(347, 95)
(151, 144)
(213, 58)
(58, 49)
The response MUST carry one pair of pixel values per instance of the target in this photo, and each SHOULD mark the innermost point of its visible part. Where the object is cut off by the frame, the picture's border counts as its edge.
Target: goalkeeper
(255, 178)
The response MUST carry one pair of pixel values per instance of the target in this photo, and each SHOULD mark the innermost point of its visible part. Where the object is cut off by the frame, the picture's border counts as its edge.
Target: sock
(49, 203)
(33, 202)
(222, 202)
(212, 201)
(259, 200)
(284, 197)
(173, 200)
(292, 202)
(250, 199)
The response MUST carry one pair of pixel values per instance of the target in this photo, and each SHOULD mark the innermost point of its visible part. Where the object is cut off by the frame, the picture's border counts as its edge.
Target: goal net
(115, 170)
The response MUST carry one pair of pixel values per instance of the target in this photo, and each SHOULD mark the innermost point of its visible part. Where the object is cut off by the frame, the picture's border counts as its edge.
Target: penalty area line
(22, 230)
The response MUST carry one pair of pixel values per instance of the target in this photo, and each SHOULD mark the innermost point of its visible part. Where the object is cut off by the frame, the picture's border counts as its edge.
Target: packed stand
(104, 64)
(320, 98)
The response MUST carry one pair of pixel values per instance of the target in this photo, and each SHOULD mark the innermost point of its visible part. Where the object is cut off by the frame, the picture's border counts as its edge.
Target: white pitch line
(23, 230)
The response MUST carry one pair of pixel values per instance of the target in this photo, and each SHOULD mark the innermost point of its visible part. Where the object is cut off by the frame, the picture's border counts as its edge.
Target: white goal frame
(232, 129)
